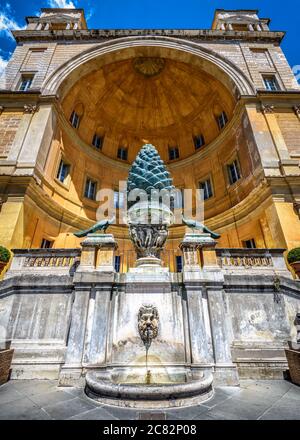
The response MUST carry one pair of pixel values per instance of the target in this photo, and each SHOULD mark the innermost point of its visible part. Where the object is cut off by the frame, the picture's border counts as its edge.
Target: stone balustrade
(253, 259)
(229, 260)
(43, 260)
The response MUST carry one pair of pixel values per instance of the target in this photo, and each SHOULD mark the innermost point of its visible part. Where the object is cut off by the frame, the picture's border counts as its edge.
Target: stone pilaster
(200, 353)
(12, 222)
(199, 252)
(281, 147)
(225, 370)
(98, 252)
(72, 369)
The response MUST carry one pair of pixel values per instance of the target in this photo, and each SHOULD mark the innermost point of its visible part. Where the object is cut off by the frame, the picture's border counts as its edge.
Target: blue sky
(154, 14)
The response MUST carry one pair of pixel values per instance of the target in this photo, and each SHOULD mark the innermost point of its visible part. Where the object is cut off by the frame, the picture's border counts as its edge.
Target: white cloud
(90, 13)
(3, 64)
(7, 24)
(65, 4)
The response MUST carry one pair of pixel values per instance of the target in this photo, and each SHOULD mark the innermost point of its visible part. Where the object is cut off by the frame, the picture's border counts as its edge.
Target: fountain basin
(101, 388)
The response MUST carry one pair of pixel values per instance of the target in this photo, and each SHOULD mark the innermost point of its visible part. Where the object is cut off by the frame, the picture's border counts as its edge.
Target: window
(199, 141)
(119, 198)
(74, 119)
(173, 153)
(90, 189)
(46, 244)
(233, 172)
(26, 83)
(63, 171)
(222, 120)
(117, 263)
(249, 244)
(97, 141)
(271, 83)
(179, 263)
(122, 153)
(207, 189)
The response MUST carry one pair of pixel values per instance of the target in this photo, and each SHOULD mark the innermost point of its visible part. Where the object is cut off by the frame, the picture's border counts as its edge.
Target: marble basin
(103, 387)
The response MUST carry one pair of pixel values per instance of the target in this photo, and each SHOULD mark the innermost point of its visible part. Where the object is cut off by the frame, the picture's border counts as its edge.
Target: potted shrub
(4, 257)
(293, 258)
(6, 355)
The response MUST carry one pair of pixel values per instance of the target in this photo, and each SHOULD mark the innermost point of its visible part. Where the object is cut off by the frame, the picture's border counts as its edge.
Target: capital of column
(99, 241)
(267, 109)
(197, 241)
(29, 108)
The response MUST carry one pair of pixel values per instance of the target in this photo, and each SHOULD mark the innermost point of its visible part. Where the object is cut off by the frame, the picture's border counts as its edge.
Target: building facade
(221, 106)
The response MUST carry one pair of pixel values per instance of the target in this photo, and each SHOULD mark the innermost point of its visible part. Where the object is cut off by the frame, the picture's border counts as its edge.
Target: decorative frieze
(245, 261)
(49, 261)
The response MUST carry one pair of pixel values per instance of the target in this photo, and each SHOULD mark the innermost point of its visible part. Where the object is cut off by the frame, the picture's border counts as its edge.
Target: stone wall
(62, 321)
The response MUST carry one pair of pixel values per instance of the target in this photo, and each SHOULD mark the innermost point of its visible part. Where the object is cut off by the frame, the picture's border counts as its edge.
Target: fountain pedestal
(179, 362)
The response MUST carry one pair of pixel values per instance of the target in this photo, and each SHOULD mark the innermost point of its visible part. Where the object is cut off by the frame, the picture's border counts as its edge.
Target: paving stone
(276, 387)
(219, 415)
(94, 414)
(186, 413)
(51, 397)
(65, 410)
(9, 394)
(34, 400)
(22, 409)
(293, 393)
(174, 417)
(122, 413)
(229, 391)
(76, 392)
(235, 408)
(283, 411)
(152, 415)
(30, 387)
(250, 396)
(218, 397)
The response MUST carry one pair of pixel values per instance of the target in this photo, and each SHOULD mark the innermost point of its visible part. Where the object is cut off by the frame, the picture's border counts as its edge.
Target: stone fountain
(153, 359)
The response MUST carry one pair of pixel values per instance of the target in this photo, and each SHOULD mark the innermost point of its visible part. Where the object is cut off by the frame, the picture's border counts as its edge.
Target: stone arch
(222, 69)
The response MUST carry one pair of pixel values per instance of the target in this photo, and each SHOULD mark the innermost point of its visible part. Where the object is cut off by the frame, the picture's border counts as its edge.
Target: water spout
(148, 329)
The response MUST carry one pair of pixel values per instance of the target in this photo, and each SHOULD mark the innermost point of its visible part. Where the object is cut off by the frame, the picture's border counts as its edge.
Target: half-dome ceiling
(158, 100)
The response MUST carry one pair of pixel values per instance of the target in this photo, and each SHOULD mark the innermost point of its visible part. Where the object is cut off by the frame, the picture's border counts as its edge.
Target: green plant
(294, 255)
(4, 254)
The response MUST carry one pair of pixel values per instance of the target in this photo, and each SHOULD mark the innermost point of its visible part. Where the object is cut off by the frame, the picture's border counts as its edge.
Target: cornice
(187, 34)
